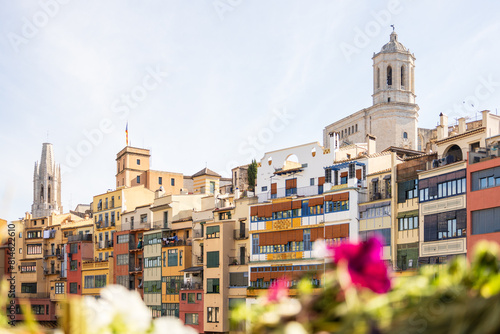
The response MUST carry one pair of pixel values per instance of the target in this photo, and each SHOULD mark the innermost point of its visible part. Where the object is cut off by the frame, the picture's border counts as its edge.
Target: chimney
(333, 141)
(485, 122)
(371, 140)
(461, 125)
(442, 129)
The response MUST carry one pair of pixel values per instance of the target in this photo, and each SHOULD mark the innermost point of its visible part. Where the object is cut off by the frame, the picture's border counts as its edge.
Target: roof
(206, 171)
(460, 135)
(402, 150)
(192, 269)
(393, 45)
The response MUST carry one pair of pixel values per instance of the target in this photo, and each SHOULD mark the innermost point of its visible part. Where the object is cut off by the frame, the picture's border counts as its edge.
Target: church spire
(46, 184)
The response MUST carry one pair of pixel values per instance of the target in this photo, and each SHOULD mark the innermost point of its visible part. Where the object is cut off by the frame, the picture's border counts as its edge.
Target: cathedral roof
(393, 45)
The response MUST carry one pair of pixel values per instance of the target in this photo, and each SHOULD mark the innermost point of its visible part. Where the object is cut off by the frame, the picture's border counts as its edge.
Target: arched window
(349, 130)
(356, 128)
(378, 77)
(41, 193)
(389, 76)
(405, 135)
(48, 194)
(402, 76)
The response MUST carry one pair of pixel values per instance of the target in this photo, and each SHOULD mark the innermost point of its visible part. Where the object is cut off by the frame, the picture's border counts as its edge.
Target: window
(28, 287)
(89, 282)
(212, 259)
(172, 284)
(485, 221)
(405, 135)
(33, 234)
(264, 188)
(389, 76)
(144, 218)
(122, 259)
(122, 239)
(307, 239)
(238, 279)
(191, 319)
(73, 288)
(408, 223)
(445, 225)
(73, 265)
(378, 77)
(160, 180)
(191, 298)
(138, 179)
(59, 288)
(28, 267)
(224, 215)
(199, 296)
(180, 258)
(212, 285)
(38, 309)
(106, 203)
(384, 233)
(183, 296)
(212, 314)
(171, 309)
(213, 232)
(311, 181)
(152, 287)
(33, 249)
(255, 244)
(138, 161)
(172, 182)
(152, 262)
(212, 187)
(172, 258)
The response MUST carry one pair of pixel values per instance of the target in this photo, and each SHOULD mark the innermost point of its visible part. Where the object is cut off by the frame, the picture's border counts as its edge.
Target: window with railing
(152, 287)
(28, 287)
(34, 249)
(172, 284)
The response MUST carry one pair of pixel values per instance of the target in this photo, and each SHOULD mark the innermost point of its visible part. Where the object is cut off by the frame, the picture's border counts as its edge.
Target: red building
(128, 252)
(79, 248)
(483, 197)
(191, 307)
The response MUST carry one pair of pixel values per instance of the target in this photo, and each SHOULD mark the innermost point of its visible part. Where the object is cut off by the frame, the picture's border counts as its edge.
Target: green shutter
(212, 259)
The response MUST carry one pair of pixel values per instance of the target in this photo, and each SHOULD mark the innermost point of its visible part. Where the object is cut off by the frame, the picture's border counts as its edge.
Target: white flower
(171, 325)
(294, 328)
(319, 249)
(288, 308)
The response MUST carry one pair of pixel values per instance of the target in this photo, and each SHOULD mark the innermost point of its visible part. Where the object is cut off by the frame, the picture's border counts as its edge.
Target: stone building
(393, 117)
(46, 185)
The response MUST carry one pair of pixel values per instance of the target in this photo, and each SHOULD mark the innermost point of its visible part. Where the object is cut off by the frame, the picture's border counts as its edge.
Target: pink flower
(364, 264)
(278, 290)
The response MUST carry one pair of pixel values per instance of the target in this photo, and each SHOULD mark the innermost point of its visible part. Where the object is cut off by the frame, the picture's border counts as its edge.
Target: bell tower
(46, 185)
(393, 73)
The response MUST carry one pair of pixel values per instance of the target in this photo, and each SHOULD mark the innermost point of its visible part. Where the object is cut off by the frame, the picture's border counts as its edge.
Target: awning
(375, 179)
(192, 269)
(387, 177)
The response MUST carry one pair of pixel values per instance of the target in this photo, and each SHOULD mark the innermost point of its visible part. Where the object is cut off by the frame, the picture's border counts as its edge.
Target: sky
(215, 82)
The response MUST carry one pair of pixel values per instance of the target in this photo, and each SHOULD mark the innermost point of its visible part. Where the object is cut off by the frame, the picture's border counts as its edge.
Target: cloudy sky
(215, 82)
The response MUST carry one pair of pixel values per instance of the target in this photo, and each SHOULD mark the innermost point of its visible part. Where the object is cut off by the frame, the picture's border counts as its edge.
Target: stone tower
(393, 73)
(392, 118)
(46, 185)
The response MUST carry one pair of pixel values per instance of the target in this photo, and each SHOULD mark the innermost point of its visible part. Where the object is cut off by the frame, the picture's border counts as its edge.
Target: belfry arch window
(403, 76)
(389, 76)
(41, 193)
(378, 77)
(48, 194)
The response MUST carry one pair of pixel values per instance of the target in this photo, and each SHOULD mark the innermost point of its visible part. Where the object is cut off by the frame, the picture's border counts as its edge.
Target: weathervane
(392, 25)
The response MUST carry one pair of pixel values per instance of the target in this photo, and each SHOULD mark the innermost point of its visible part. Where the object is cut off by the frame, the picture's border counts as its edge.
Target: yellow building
(108, 208)
(95, 276)
(206, 181)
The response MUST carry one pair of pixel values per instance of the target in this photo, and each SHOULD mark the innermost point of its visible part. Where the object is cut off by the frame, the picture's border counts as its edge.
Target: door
(242, 255)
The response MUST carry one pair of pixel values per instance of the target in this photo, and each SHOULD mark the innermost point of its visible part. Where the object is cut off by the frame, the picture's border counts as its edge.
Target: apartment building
(483, 193)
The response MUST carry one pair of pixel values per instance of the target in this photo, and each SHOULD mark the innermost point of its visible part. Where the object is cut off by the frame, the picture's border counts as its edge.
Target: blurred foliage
(455, 298)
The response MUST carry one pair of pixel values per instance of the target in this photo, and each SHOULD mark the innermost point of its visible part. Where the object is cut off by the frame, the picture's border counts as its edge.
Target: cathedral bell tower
(393, 73)
(46, 185)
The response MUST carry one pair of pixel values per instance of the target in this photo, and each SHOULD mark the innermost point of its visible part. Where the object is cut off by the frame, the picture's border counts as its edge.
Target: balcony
(198, 260)
(197, 234)
(283, 192)
(35, 295)
(238, 261)
(191, 286)
(161, 224)
(484, 154)
(103, 225)
(56, 252)
(177, 243)
(241, 234)
(80, 237)
(51, 271)
(134, 269)
(104, 244)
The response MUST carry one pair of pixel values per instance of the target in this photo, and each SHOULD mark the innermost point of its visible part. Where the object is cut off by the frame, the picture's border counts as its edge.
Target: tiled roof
(206, 171)
(460, 135)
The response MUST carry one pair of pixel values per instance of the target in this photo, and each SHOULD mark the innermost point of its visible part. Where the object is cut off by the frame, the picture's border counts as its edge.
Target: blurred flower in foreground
(364, 264)
(278, 290)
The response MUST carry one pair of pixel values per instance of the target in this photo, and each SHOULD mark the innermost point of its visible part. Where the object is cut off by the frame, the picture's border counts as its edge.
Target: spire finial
(393, 27)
